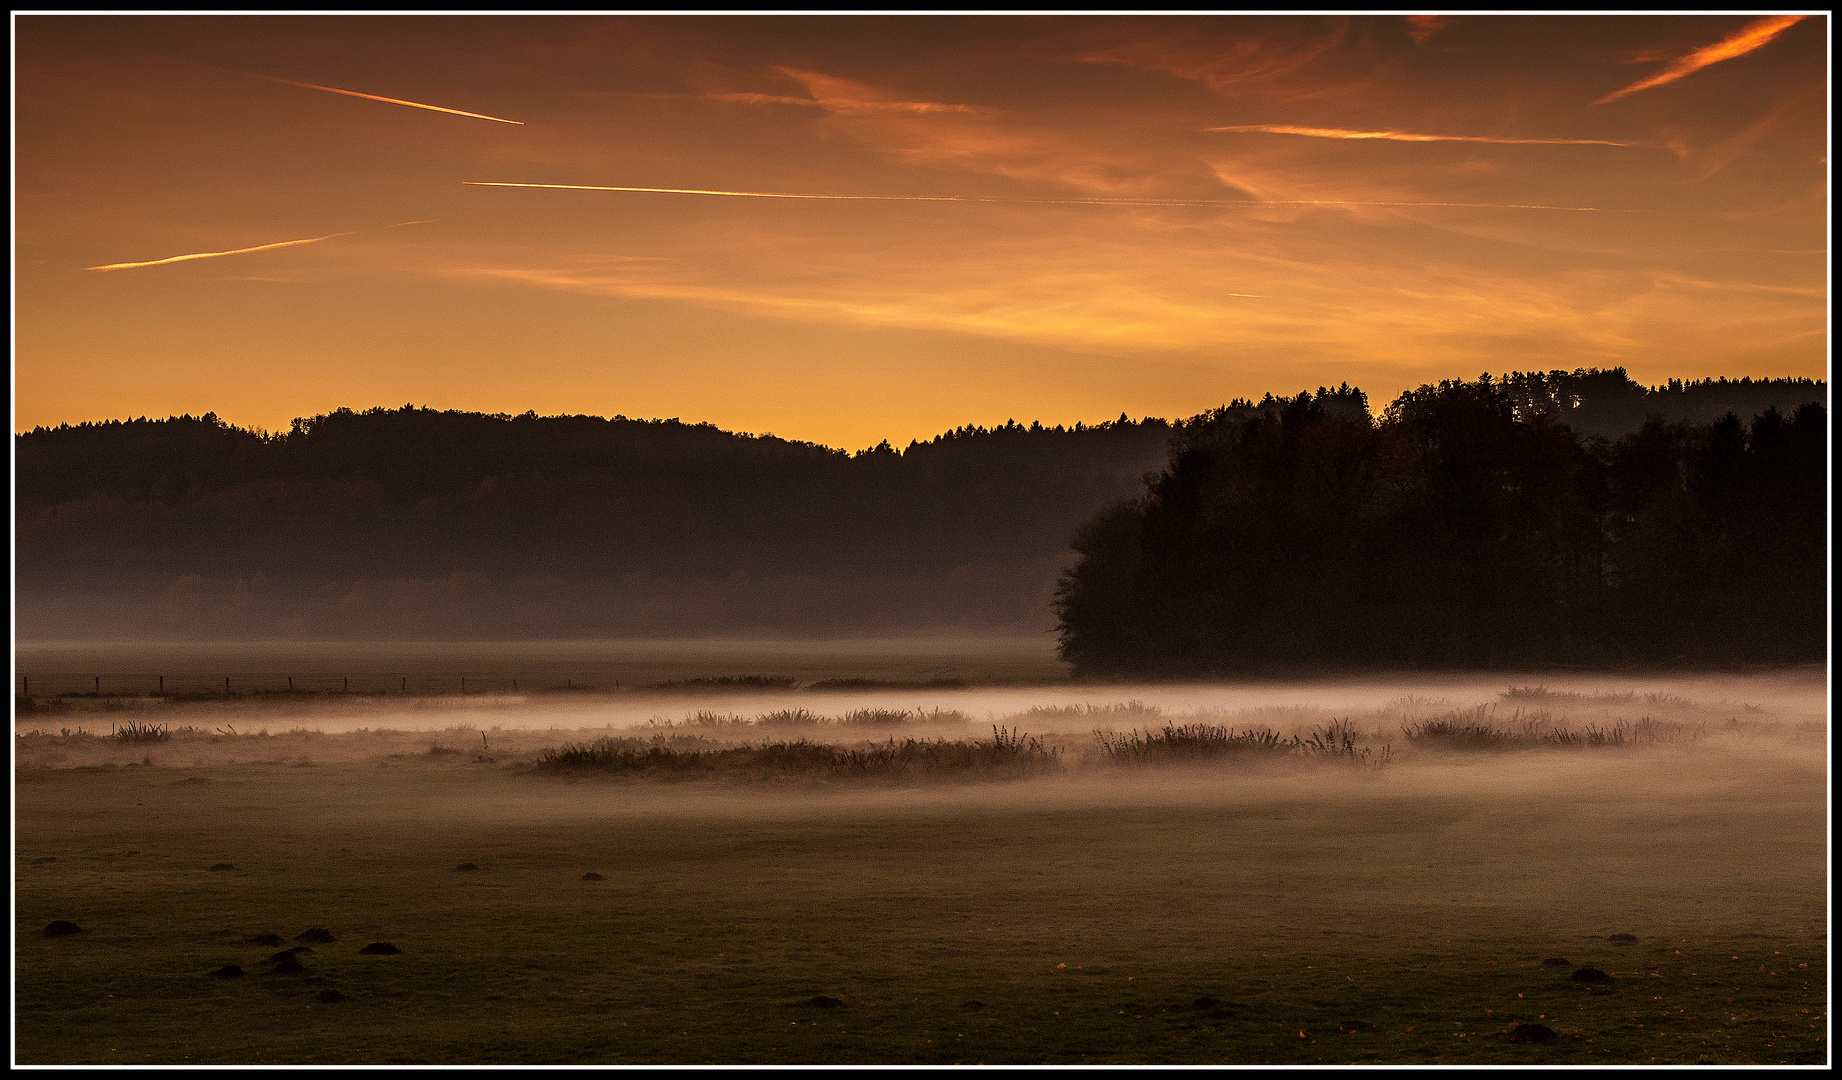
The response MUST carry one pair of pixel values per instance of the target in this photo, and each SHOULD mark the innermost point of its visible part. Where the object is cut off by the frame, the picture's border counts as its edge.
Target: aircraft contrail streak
(1739, 43)
(215, 254)
(1006, 199)
(391, 100)
(1406, 136)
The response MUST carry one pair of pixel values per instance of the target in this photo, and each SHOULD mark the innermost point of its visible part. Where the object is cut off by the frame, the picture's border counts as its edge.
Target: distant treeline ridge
(417, 523)
(1469, 527)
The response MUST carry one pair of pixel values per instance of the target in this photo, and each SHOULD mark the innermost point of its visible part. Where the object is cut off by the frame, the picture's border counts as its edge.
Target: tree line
(414, 522)
(1470, 525)
(418, 523)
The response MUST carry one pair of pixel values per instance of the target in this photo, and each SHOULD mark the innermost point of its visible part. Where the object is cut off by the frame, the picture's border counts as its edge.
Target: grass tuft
(1007, 753)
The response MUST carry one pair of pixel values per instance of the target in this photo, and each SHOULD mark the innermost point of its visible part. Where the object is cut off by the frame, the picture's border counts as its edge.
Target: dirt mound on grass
(290, 966)
(591, 876)
(1557, 961)
(466, 866)
(1532, 1033)
(319, 935)
(972, 1006)
(824, 1001)
(222, 866)
(285, 954)
(1623, 939)
(44, 859)
(266, 939)
(1590, 975)
(380, 948)
(329, 996)
(61, 928)
(228, 971)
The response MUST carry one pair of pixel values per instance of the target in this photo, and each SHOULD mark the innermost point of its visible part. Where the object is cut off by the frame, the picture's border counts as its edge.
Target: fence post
(463, 684)
(99, 684)
(346, 688)
(290, 684)
(162, 684)
(227, 685)
(406, 684)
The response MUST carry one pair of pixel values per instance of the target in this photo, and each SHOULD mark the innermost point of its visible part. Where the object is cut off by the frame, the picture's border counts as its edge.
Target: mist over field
(719, 540)
(1496, 721)
(845, 693)
(1367, 870)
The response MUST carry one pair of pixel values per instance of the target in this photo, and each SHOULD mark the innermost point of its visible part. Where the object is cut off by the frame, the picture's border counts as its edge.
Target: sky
(1054, 218)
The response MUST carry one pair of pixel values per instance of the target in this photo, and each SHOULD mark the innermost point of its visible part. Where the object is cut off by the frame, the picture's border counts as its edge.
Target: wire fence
(121, 684)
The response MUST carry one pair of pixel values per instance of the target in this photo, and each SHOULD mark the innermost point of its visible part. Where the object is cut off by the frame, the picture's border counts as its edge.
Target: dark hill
(425, 524)
(1464, 529)
(416, 523)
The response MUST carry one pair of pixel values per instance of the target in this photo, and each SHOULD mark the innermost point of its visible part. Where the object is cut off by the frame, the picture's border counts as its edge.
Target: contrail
(391, 100)
(1740, 42)
(1405, 136)
(1053, 202)
(215, 254)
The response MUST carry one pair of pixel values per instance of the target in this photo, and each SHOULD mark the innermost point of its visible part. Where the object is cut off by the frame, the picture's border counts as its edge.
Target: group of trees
(1470, 526)
(421, 523)
(1535, 518)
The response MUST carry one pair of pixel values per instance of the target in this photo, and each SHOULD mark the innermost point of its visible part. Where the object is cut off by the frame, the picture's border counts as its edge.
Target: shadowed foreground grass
(1201, 917)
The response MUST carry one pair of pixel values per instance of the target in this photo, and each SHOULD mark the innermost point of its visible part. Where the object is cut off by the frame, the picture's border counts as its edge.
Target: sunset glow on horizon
(851, 229)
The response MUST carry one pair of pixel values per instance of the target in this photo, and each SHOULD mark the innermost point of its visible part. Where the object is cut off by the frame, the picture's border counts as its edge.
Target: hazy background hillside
(416, 524)
(420, 524)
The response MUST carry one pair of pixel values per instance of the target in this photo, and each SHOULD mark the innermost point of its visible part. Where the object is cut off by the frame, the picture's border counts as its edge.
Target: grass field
(1208, 914)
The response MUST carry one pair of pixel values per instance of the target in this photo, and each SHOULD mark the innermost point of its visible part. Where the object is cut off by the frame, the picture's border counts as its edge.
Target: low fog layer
(435, 668)
(1406, 718)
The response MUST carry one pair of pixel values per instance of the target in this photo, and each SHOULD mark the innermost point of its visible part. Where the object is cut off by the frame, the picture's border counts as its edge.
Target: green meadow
(1214, 912)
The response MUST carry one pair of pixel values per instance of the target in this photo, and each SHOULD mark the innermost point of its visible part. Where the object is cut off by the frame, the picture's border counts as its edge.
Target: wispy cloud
(841, 103)
(1739, 43)
(1797, 106)
(1425, 26)
(1405, 136)
(393, 101)
(216, 254)
(983, 140)
(1018, 199)
(1218, 64)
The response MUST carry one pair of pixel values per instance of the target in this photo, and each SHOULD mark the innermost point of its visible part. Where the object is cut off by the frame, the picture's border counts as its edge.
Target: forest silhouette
(1471, 526)
(412, 523)
(1290, 531)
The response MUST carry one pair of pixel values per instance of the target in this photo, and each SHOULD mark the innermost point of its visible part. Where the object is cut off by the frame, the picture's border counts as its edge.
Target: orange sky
(1075, 216)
